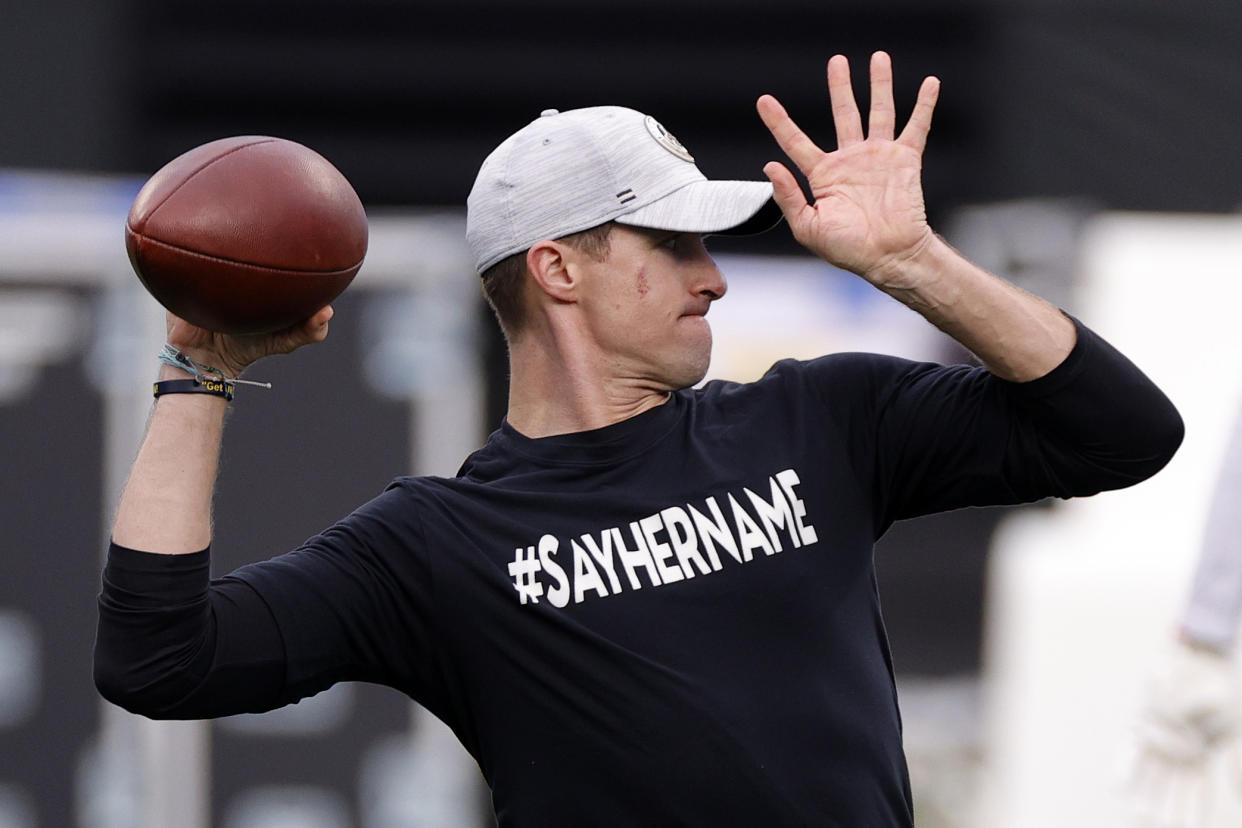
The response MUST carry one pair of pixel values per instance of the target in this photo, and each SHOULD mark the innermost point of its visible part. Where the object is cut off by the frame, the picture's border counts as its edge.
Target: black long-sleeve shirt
(672, 620)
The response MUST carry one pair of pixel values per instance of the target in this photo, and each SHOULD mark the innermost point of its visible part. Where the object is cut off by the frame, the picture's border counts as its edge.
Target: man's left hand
(867, 215)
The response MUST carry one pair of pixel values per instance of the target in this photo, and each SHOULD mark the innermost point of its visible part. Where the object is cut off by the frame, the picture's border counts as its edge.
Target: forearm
(1017, 335)
(166, 504)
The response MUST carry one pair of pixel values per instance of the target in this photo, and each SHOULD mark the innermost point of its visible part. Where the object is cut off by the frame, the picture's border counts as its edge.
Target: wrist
(198, 362)
(172, 372)
(917, 277)
(912, 269)
(182, 374)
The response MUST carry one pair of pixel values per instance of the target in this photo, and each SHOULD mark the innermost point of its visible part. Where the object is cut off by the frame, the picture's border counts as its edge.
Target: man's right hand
(233, 354)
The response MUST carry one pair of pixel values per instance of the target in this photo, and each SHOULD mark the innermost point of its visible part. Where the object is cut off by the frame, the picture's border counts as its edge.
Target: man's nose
(711, 282)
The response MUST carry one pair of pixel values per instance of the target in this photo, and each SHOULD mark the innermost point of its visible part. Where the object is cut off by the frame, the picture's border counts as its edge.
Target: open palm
(867, 211)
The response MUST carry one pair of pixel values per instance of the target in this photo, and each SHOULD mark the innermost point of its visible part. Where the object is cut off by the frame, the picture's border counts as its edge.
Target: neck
(559, 390)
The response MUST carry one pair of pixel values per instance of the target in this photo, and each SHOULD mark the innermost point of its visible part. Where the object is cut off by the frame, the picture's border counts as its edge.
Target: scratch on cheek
(641, 282)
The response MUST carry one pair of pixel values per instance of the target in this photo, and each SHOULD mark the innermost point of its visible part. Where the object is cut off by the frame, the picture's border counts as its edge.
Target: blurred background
(1087, 150)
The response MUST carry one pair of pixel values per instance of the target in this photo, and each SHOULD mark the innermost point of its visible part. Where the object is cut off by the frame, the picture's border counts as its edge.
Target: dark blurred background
(1131, 101)
(1119, 104)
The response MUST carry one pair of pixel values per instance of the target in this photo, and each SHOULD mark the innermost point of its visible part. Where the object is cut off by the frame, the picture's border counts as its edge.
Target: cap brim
(732, 207)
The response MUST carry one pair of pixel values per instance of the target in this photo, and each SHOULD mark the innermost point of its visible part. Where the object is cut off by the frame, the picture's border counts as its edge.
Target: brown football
(246, 235)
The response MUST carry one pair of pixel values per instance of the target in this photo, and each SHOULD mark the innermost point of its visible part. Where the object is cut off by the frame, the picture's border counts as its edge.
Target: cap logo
(667, 140)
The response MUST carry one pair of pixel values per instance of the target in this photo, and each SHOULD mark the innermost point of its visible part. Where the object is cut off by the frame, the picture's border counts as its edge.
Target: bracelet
(216, 388)
(171, 355)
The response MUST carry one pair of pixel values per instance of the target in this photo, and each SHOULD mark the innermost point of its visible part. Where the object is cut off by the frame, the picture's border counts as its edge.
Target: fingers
(800, 149)
(314, 329)
(322, 316)
(320, 321)
(307, 332)
(883, 119)
(844, 108)
(915, 133)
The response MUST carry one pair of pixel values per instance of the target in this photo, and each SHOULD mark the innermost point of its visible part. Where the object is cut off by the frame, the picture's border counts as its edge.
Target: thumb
(785, 190)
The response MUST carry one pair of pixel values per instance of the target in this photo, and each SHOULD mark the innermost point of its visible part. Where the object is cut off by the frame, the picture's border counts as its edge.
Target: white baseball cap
(569, 171)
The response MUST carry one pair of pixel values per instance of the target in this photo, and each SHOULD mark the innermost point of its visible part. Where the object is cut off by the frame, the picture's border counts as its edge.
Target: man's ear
(549, 264)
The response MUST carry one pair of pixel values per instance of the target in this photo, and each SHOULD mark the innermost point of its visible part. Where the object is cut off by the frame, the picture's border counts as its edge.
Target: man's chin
(694, 358)
(692, 373)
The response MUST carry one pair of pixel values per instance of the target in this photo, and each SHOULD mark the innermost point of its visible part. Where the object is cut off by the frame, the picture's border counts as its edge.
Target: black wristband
(216, 388)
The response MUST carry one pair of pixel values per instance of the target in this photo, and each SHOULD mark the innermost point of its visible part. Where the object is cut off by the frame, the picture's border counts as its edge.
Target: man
(642, 604)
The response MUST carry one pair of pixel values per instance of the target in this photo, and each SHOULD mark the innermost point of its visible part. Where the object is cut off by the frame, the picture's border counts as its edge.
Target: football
(246, 235)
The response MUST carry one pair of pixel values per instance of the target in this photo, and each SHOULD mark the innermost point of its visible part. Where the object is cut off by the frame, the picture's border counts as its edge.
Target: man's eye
(672, 242)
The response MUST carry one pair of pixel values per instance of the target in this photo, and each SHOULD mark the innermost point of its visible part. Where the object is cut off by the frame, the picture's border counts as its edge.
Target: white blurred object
(1081, 594)
(1190, 713)
(37, 327)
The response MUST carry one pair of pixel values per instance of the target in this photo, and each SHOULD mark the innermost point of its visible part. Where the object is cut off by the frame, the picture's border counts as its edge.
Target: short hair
(504, 283)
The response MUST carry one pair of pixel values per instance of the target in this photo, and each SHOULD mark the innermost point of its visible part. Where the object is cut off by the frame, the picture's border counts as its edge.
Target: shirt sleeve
(1215, 606)
(354, 603)
(170, 644)
(349, 604)
(943, 437)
